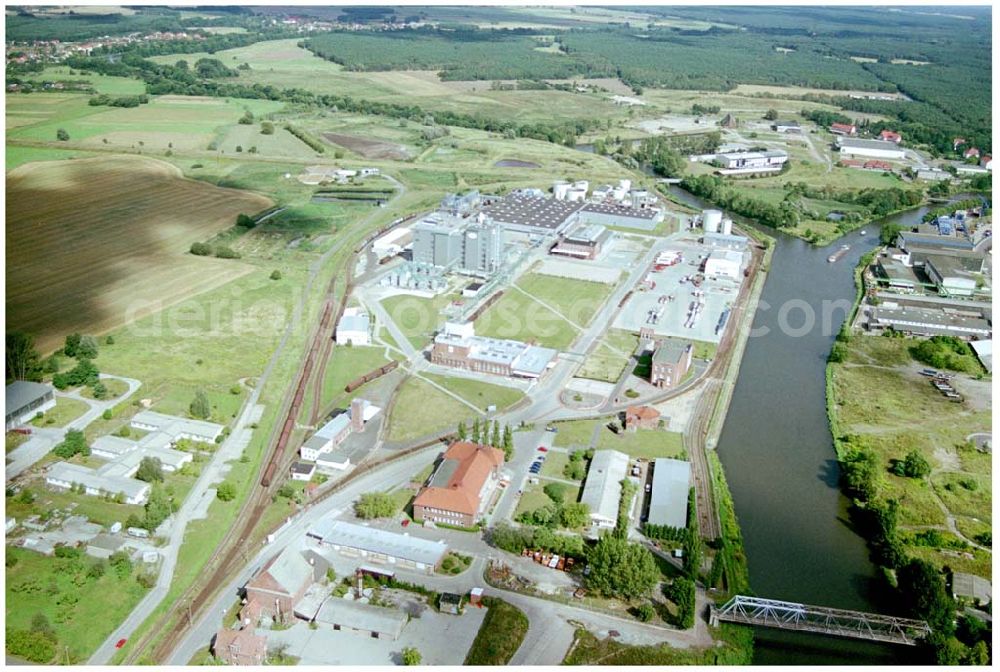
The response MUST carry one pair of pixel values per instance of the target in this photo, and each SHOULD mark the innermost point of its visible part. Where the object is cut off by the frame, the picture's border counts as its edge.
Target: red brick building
(462, 485)
(671, 362)
(281, 583)
(240, 647)
(641, 417)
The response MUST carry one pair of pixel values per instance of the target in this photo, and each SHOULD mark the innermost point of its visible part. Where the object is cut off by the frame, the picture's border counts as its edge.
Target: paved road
(44, 439)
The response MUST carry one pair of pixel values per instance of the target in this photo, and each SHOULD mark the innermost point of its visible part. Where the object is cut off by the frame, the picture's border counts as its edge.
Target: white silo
(710, 220)
(727, 226)
(560, 189)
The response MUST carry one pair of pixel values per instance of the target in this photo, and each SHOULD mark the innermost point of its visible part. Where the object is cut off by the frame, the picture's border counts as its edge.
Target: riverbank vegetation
(921, 488)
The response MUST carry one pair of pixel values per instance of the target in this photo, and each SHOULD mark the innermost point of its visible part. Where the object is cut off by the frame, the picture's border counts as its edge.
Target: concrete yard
(719, 294)
(442, 639)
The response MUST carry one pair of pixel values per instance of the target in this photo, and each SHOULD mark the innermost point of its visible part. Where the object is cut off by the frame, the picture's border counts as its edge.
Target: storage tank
(710, 220)
(559, 190)
(727, 226)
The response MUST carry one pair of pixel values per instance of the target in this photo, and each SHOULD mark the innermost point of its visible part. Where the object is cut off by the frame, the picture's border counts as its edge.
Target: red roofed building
(641, 417)
(851, 163)
(986, 162)
(462, 485)
(240, 647)
(890, 136)
(877, 165)
(843, 129)
(971, 152)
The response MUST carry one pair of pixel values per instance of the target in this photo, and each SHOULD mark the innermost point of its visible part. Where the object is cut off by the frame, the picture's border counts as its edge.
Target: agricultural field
(420, 409)
(901, 412)
(77, 261)
(477, 392)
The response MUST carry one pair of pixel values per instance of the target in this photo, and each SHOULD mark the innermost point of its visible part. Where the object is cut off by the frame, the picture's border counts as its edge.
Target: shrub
(223, 252)
(375, 505)
(107, 415)
(266, 128)
(62, 135)
(201, 249)
(200, 407)
(226, 492)
(645, 612)
(276, 275)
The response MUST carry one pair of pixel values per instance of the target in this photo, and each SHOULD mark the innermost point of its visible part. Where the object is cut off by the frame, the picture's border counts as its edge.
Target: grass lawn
(647, 443)
(402, 498)
(65, 411)
(115, 387)
(417, 317)
(704, 349)
(609, 360)
(533, 498)
(454, 563)
(899, 412)
(421, 409)
(499, 636)
(554, 465)
(589, 650)
(177, 398)
(519, 317)
(577, 300)
(477, 392)
(574, 433)
(14, 440)
(83, 611)
(346, 364)
(18, 155)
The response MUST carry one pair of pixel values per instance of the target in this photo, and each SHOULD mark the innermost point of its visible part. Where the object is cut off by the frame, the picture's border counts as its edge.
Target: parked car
(406, 521)
(551, 429)
(543, 449)
(120, 643)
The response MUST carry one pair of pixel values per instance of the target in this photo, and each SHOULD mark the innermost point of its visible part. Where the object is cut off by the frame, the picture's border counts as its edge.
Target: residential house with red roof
(971, 152)
(890, 136)
(986, 162)
(240, 647)
(843, 129)
(461, 487)
(641, 417)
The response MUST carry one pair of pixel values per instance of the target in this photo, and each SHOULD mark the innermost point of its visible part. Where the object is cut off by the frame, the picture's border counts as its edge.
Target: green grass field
(534, 496)
(609, 359)
(478, 393)
(576, 300)
(83, 611)
(646, 443)
(574, 433)
(900, 412)
(346, 364)
(417, 317)
(65, 411)
(420, 410)
(499, 636)
(519, 317)
(554, 465)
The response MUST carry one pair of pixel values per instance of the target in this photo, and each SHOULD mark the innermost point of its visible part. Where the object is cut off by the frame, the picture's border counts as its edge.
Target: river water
(779, 458)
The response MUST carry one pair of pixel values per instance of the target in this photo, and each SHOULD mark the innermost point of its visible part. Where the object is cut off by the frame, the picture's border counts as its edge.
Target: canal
(779, 457)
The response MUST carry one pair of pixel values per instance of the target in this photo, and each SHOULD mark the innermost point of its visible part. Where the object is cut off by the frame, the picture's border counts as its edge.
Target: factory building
(877, 149)
(473, 246)
(533, 214)
(393, 242)
(458, 347)
(612, 214)
(461, 206)
(354, 328)
(949, 275)
(583, 242)
(724, 263)
(746, 163)
(723, 241)
(928, 321)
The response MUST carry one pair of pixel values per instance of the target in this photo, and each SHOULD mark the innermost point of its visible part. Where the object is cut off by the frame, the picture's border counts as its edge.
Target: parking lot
(718, 295)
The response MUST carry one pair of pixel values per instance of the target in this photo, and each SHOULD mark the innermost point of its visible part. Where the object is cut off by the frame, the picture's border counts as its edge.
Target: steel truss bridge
(821, 620)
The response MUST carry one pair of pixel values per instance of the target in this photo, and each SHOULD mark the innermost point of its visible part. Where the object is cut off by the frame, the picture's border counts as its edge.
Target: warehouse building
(25, 400)
(602, 491)
(393, 242)
(897, 276)
(668, 500)
(97, 482)
(354, 328)
(473, 246)
(949, 275)
(724, 263)
(534, 214)
(746, 163)
(723, 241)
(176, 427)
(364, 619)
(462, 485)
(328, 437)
(925, 321)
(380, 546)
(613, 214)
(458, 347)
(877, 149)
(583, 242)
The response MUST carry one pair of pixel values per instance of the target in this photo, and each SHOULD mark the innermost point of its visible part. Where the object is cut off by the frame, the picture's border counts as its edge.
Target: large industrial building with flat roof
(745, 163)
(668, 499)
(457, 346)
(878, 149)
(25, 400)
(613, 214)
(602, 491)
(583, 242)
(380, 546)
(533, 214)
(928, 321)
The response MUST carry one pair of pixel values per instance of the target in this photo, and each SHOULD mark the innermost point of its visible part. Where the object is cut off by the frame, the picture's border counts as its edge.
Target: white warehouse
(724, 263)
(871, 148)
